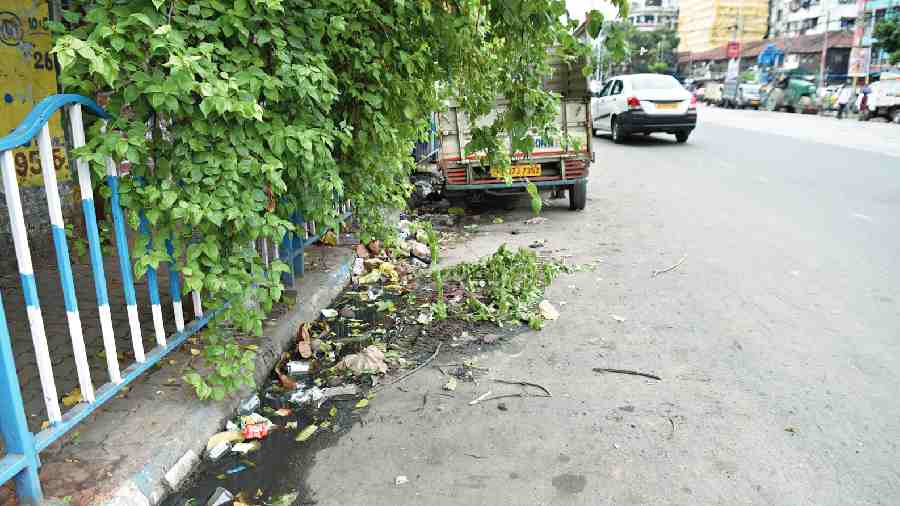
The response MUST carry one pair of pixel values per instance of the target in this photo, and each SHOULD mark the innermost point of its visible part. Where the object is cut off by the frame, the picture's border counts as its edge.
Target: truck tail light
(633, 103)
(693, 102)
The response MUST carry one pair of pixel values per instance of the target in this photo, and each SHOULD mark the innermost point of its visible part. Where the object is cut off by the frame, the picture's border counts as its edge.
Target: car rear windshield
(652, 82)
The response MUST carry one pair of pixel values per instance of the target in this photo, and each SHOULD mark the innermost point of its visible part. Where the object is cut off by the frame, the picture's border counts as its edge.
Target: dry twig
(628, 371)
(667, 269)
(417, 369)
(524, 383)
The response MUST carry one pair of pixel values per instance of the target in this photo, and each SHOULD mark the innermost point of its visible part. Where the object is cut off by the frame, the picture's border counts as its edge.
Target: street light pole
(824, 56)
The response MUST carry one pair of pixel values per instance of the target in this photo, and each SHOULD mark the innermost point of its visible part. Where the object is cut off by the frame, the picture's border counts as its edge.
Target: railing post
(299, 245)
(14, 425)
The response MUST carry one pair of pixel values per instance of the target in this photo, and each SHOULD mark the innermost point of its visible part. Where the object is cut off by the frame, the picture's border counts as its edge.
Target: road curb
(174, 459)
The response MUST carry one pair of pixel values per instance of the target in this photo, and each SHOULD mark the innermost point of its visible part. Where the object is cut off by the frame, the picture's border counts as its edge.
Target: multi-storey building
(706, 24)
(790, 18)
(648, 15)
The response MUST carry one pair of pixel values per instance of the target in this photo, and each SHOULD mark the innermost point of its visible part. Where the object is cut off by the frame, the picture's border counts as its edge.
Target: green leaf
(306, 433)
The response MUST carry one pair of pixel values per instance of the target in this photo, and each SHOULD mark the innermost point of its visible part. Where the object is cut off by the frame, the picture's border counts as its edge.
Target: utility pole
(824, 56)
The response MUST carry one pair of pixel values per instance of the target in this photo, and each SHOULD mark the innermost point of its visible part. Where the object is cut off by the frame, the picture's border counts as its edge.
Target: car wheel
(618, 136)
(682, 137)
(895, 116)
(578, 196)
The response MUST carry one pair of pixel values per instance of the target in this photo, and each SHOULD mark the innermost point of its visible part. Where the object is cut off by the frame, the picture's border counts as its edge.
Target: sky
(578, 8)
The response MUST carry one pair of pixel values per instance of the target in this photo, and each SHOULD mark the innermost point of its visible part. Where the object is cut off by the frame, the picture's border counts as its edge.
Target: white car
(643, 103)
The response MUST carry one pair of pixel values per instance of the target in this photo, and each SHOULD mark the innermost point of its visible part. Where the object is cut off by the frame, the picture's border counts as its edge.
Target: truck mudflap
(572, 170)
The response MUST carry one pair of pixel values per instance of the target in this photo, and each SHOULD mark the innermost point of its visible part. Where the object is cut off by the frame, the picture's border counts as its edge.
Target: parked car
(883, 100)
(740, 95)
(644, 103)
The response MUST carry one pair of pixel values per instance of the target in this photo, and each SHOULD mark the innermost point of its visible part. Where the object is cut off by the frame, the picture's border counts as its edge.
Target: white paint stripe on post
(136, 341)
(54, 207)
(109, 344)
(87, 195)
(158, 325)
(179, 315)
(198, 307)
(23, 257)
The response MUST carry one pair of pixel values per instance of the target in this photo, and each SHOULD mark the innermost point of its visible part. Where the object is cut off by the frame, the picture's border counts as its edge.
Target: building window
(778, 15)
(847, 23)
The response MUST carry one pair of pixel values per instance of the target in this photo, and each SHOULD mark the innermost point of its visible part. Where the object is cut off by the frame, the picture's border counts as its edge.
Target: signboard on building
(733, 50)
(859, 62)
(28, 74)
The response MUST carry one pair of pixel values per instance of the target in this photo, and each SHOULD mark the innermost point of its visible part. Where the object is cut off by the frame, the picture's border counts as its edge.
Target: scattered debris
(524, 384)
(537, 220)
(361, 403)
(667, 269)
(620, 319)
(418, 368)
(306, 433)
(628, 371)
(368, 360)
(297, 367)
(359, 266)
(502, 406)
(237, 469)
(256, 430)
(671, 421)
(329, 313)
(475, 456)
(220, 497)
(548, 312)
(400, 480)
(423, 318)
(538, 244)
(247, 447)
(249, 406)
(451, 384)
(329, 239)
(72, 398)
(218, 450)
(497, 221)
(792, 430)
(419, 250)
(480, 398)
(223, 437)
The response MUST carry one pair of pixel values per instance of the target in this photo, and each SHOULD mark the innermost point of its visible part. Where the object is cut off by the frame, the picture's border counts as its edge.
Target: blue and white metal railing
(22, 447)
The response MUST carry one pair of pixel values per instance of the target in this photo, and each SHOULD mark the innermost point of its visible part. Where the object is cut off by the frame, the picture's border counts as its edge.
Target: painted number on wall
(29, 162)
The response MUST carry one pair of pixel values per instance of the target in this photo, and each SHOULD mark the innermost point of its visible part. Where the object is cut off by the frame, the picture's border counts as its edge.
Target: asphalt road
(776, 338)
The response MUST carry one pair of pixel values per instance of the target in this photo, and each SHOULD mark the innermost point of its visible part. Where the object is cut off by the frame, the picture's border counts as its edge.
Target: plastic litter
(245, 448)
(235, 470)
(256, 430)
(249, 405)
(400, 480)
(297, 367)
(218, 450)
(310, 396)
(220, 497)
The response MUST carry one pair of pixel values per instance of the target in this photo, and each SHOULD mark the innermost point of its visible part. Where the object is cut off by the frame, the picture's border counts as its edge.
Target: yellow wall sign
(27, 75)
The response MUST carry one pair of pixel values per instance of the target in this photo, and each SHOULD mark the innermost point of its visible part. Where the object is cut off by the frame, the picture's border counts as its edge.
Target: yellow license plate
(519, 171)
(667, 106)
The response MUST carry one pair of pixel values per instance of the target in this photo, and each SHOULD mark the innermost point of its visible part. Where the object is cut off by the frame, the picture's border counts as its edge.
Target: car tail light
(633, 103)
(693, 102)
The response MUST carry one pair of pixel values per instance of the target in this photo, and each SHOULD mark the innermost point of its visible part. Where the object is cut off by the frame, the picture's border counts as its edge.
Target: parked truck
(792, 93)
(559, 165)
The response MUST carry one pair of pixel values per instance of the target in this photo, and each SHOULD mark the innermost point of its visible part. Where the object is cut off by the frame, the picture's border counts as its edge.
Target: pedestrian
(844, 96)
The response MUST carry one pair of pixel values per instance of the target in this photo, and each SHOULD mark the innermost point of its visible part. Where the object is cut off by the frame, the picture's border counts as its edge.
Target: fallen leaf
(456, 211)
(329, 239)
(304, 349)
(306, 433)
(286, 381)
(195, 351)
(72, 398)
(372, 277)
(332, 412)
(548, 312)
(285, 500)
(361, 403)
(451, 384)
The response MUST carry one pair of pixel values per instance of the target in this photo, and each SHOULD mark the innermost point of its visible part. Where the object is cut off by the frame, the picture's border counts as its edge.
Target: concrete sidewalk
(141, 445)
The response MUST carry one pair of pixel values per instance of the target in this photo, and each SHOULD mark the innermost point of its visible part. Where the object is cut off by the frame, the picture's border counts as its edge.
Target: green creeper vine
(234, 114)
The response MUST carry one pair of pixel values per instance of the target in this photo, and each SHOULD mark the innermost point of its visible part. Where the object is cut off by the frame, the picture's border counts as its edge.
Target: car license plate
(518, 171)
(754, 102)
(667, 105)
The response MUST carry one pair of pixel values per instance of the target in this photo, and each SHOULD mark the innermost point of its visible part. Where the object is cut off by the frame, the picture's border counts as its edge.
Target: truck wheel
(618, 136)
(682, 137)
(895, 115)
(578, 196)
